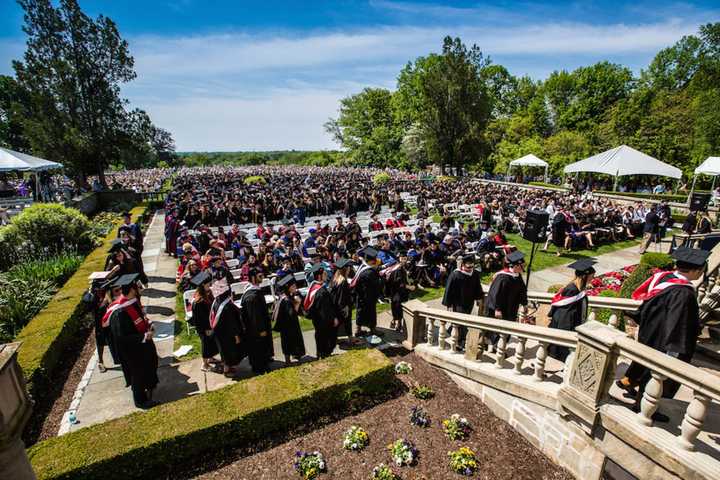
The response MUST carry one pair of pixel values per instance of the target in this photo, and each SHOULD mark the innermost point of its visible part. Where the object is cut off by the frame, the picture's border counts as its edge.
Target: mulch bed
(46, 417)
(502, 452)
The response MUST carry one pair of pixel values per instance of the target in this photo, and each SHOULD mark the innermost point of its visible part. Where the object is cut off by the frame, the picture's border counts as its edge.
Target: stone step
(714, 332)
(710, 348)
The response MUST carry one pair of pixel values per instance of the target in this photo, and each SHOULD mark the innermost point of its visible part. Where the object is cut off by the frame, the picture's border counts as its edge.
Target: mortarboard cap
(369, 253)
(286, 281)
(469, 258)
(201, 278)
(115, 245)
(318, 267)
(584, 266)
(109, 284)
(690, 256)
(343, 262)
(515, 257)
(126, 280)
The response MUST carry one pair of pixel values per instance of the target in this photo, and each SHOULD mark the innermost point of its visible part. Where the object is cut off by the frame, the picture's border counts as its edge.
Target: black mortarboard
(584, 266)
(469, 258)
(369, 253)
(515, 257)
(402, 253)
(316, 268)
(126, 280)
(201, 278)
(115, 245)
(343, 262)
(109, 284)
(690, 256)
(286, 281)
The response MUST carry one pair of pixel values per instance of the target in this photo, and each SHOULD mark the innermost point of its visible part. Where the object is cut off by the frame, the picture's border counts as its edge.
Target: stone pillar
(15, 408)
(414, 325)
(593, 367)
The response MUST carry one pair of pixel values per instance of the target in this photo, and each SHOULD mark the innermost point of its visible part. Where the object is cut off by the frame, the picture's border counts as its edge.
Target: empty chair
(239, 288)
(232, 263)
(235, 273)
(229, 254)
(187, 300)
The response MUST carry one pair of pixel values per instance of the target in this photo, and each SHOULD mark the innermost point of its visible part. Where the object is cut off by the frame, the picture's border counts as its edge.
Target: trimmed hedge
(649, 196)
(147, 444)
(46, 336)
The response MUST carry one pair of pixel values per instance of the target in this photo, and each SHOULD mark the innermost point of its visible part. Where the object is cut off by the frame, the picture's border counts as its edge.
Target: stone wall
(93, 202)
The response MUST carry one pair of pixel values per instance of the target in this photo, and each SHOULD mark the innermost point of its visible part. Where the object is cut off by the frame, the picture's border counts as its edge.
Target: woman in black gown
(341, 294)
(286, 321)
(201, 303)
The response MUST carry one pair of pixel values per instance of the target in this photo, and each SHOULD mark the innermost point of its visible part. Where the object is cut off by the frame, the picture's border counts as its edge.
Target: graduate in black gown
(132, 334)
(104, 293)
(257, 322)
(367, 287)
(342, 296)
(227, 327)
(507, 290)
(201, 303)
(669, 319)
(398, 288)
(463, 290)
(286, 321)
(568, 307)
(319, 306)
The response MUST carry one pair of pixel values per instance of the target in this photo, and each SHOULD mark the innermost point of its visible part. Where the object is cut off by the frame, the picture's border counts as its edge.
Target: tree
(11, 129)
(72, 71)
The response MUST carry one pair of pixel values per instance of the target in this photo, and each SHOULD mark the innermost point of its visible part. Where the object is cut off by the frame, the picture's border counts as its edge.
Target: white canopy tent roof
(711, 166)
(624, 160)
(11, 161)
(529, 161)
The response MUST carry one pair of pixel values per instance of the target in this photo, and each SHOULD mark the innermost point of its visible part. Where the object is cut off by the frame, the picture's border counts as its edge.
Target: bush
(603, 315)
(147, 444)
(656, 260)
(641, 273)
(255, 180)
(381, 178)
(12, 247)
(546, 185)
(53, 228)
(55, 327)
(555, 288)
(648, 196)
(446, 179)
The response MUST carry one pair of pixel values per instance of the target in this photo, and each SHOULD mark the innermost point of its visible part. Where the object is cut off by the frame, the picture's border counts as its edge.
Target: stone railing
(618, 306)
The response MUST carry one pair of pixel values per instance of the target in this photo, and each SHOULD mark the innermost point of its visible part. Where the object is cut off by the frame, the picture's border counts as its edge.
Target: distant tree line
(285, 157)
(459, 109)
(64, 102)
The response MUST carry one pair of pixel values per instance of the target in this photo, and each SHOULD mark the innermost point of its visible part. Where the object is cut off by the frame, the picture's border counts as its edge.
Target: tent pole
(615, 183)
(692, 189)
(713, 184)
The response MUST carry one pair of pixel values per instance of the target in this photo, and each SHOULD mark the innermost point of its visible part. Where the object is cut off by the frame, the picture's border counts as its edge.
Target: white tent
(711, 166)
(529, 160)
(624, 160)
(11, 160)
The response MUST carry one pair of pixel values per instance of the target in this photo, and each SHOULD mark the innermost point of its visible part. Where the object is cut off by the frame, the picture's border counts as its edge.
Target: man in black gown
(367, 287)
(463, 290)
(669, 319)
(227, 327)
(200, 319)
(508, 290)
(257, 321)
(319, 306)
(398, 288)
(132, 334)
(285, 318)
(568, 307)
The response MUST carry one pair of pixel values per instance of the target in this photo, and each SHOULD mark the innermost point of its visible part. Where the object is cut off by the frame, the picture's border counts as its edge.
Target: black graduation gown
(462, 291)
(103, 335)
(367, 291)
(259, 330)
(323, 314)
(566, 317)
(228, 326)
(397, 291)
(201, 321)
(668, 322)
(139, 359)
(506, 294)
(342, 298)
(288, 324)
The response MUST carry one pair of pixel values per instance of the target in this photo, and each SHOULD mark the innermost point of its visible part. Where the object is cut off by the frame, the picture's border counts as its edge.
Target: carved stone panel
(589, 370)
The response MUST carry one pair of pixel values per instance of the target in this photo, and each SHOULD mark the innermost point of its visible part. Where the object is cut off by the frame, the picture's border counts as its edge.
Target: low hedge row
(47, 335)
(649, 196)
(148, 444)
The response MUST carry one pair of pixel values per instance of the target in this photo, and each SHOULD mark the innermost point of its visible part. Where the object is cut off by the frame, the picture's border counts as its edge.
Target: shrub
(446, 179)
(641, 273)
(381, 178)
(53, 227)
(603, 315)
(56, 326)
(254, 180)
(147, 444)
(555, 288)
(656, 260)
(12, 247)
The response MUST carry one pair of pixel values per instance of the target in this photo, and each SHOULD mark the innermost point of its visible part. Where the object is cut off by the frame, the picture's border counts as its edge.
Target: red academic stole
(505, 271)
(310, 298)
(215, 312)
(362, 268)
(659, 282)
(559, 300)
(388, 271)
(135, 313)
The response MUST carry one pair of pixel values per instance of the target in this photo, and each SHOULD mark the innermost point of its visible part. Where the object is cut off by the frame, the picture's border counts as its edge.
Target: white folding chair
(187, 301)
(235, 273)
(239, 288)
(232, 263)
(229, 254)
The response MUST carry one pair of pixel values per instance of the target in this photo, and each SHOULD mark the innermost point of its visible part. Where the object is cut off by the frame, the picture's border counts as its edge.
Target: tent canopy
(711, 166)
(529, 161)
(11, 161)
(624, 160)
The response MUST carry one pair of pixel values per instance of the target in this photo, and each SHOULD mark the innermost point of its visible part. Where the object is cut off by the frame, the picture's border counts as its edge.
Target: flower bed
(355, 439)
(403, 452)
(612, 281)
(309, 465)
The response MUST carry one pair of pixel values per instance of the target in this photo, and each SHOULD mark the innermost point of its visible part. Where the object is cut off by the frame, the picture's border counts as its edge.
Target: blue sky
(247, 75)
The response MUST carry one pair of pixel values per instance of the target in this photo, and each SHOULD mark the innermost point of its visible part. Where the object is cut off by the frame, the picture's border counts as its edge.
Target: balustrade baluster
(540, 357)
(693, 421)
(455, 338)
(650, 399)
(442, 335)
(613, 320)
(500, 353)
(519, 355)
(591, 314)
(430, 331)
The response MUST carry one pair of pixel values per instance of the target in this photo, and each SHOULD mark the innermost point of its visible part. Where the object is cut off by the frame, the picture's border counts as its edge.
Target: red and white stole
(310, 297)
(216, 310)
(506, 271)
(559, 300)
(659, 282)
(135, 313)
(362, 268)
(389, 270)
